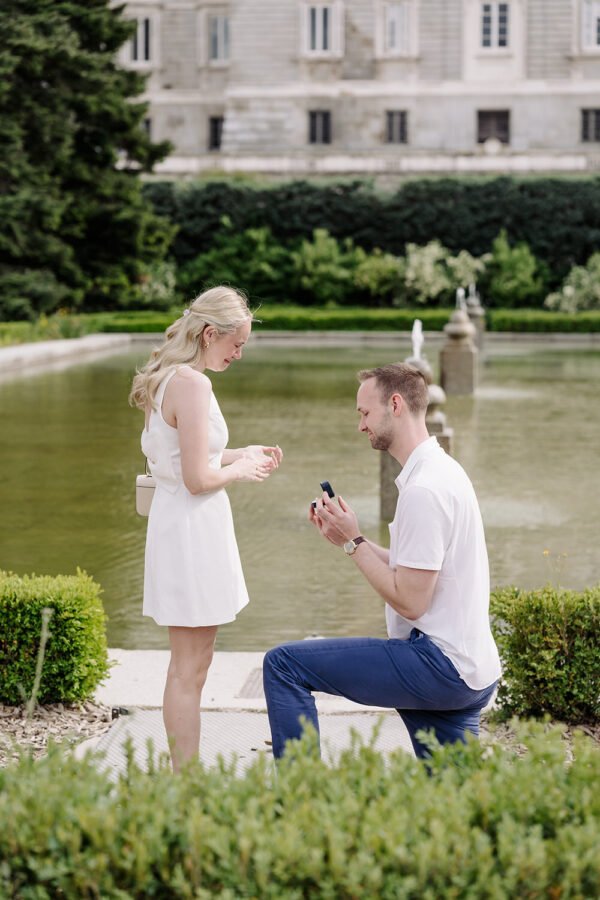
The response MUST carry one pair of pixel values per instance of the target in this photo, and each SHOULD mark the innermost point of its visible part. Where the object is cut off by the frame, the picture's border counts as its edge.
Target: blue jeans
(412, 676)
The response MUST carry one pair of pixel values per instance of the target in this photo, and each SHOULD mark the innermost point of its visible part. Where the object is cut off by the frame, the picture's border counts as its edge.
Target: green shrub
(557, 217)
(430, 274)
(295, 318)
(539, 320)
(156, 286)
(287, 317)
(251, 260)
(476, 821)
(549, 640)
(512, 275)
(580, 289)
(325, 269)
(378, 275)
(76, 658)
(25, 293)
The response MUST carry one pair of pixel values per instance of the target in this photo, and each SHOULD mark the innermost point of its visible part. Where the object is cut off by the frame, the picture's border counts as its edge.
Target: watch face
(349, 546)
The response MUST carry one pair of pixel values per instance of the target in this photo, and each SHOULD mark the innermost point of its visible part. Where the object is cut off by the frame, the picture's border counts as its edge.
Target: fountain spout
(417, 338)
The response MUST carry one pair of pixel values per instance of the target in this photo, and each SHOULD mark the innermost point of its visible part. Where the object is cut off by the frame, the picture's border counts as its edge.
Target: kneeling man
(440, 665)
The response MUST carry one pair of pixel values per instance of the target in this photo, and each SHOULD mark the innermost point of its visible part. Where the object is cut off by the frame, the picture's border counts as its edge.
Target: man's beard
(383, 440)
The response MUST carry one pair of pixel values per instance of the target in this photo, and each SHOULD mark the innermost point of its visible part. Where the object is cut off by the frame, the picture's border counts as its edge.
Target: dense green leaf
(72, 148)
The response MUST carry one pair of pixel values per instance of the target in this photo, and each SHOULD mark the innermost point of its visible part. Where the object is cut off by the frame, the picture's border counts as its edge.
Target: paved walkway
(234, 719)
(23, 358)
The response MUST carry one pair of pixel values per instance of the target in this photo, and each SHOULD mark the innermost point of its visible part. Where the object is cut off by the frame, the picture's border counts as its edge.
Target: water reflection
(70, 452)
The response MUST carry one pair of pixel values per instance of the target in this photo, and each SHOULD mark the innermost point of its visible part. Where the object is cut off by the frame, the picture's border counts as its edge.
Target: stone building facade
(371, 86)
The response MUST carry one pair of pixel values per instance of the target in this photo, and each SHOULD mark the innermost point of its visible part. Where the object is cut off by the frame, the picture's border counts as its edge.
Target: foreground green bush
(474, 822)
(76, 657)
(549, 640)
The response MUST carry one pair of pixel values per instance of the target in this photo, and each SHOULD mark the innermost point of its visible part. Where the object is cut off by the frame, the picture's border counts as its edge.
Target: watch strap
(355, 541)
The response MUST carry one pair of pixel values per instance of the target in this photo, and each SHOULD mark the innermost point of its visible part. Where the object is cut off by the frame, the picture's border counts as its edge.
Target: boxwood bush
(475, 821)
(286, 317)
(76, 656)
(298, 318)
(549, 640)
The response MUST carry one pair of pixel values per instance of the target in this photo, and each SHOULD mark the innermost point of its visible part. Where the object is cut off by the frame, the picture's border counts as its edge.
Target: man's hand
(336, 521)
(408, 591)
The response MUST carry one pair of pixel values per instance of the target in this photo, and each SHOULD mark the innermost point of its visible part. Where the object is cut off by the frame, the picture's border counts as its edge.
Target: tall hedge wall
(558, 217)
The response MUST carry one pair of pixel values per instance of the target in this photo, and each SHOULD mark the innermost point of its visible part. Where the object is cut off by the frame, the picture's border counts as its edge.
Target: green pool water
(70, 452)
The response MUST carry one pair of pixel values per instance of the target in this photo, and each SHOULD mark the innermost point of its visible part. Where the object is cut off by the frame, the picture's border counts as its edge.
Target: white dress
(193, 574)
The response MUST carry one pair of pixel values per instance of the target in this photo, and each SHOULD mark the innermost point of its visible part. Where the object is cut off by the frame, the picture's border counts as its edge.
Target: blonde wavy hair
(225, 308)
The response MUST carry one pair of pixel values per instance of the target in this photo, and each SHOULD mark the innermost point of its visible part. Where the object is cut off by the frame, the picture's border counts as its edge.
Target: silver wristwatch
(350, 546)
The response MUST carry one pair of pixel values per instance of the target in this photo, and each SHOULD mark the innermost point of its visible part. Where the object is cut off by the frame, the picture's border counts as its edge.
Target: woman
(193, 579)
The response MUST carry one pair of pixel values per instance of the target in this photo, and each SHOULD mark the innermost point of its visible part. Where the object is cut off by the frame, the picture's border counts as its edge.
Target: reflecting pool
(529, 440)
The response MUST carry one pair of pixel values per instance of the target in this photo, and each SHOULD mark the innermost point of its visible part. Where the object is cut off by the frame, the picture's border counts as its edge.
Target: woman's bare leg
(191, 655)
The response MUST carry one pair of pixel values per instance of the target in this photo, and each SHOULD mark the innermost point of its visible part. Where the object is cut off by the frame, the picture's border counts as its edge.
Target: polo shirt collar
(422, 450)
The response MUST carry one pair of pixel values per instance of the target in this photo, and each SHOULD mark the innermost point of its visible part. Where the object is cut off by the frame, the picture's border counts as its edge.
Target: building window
(494, 25)
(590, 20)
(396, 126)
(140, 42)
(147, 126)
(218, 30)
(322, 29)
(395, 28)
(319, 126)
(590, 125)
(493, 124)
(215, 132)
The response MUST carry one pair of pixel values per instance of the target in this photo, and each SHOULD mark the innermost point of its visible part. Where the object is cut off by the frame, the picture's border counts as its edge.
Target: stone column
(459, 355)
(436, 419)
(476, 314)
(390, 468)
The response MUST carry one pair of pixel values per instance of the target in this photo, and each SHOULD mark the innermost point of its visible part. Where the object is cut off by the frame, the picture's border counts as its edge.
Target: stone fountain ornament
(435, 420)
(476, 314)
(458, 356)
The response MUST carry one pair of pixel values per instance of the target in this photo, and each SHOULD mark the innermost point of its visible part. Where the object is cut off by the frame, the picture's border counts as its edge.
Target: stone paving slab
(21, 357)
(234, 719)
(240, 735)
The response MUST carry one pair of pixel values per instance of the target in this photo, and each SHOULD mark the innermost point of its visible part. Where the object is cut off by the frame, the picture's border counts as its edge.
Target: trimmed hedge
(549, 640)
(475, 821)
(297, 318)
(536, 320)
(559, 218)
(76, 656)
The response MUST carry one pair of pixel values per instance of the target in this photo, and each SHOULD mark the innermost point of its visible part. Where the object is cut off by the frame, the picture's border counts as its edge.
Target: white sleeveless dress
(193, 574)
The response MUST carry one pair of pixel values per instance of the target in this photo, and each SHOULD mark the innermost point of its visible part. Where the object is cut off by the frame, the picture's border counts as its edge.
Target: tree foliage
(72, 147)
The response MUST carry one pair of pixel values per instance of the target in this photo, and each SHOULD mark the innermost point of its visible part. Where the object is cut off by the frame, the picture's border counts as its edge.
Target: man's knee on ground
(273, 660)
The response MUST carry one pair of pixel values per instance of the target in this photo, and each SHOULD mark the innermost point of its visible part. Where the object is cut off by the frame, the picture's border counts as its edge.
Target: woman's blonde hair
(225, 308)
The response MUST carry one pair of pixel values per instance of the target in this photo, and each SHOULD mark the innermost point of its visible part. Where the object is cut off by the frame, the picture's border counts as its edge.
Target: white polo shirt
(438, 526)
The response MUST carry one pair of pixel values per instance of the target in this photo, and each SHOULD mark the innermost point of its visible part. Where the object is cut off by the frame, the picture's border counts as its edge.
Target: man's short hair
(403, 379)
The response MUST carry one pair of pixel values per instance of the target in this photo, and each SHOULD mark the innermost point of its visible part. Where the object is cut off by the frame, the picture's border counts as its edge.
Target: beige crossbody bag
(144, 492)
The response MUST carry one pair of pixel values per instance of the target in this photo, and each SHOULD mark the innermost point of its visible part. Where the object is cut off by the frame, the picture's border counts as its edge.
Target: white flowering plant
(580, 289)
